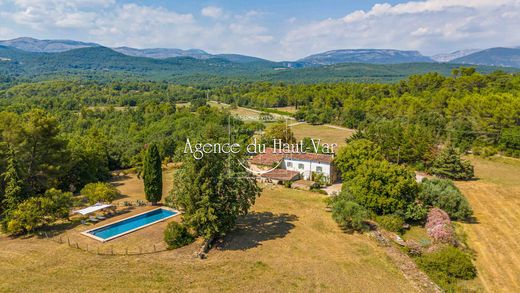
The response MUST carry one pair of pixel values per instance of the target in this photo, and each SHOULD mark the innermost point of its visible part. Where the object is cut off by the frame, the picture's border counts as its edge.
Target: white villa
(294, 166)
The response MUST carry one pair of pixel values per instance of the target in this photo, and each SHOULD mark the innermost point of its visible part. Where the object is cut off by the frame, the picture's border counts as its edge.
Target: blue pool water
(132, 223)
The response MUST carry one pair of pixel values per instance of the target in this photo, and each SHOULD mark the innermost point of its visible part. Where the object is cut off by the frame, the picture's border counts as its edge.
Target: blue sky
(278, 30)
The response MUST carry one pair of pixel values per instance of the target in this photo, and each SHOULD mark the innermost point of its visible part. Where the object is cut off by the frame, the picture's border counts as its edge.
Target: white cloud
(6, 33)
(142, 26)
(431, 26)
(212, 11)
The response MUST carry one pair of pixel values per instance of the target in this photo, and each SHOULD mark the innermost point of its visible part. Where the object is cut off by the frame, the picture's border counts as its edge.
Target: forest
(64, 134)
(467, 109)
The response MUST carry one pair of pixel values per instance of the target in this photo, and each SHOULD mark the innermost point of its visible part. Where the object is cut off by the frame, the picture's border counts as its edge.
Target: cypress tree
(13, 189)
(152, 175)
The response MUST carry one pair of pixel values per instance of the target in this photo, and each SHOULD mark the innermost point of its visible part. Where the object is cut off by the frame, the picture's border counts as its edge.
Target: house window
(319, 169)
(300, 166)
(289, 164)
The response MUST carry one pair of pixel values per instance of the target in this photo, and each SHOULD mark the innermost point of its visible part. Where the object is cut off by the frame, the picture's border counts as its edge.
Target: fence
(105, 250)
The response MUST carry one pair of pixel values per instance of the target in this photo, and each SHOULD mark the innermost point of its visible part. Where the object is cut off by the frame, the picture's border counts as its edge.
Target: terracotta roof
(311, 157)
(269, 157)
(281, 174)
(266, 159)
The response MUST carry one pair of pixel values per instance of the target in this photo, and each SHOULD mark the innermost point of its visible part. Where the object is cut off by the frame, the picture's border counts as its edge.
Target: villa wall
(308, 167)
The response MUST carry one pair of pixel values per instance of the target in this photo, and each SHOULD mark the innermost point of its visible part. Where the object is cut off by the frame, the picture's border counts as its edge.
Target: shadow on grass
(256, 228)
(61, 228)
(471, 220)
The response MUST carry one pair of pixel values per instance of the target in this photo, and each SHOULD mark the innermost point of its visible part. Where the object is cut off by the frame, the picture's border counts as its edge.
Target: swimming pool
(128, 225)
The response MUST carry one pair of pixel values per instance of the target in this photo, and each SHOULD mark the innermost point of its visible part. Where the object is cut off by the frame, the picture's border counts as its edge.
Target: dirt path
(297, 123)
(339, 127)
(407, 266)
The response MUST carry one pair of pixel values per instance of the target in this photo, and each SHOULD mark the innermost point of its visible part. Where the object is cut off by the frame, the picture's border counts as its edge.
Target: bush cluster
(383, 187)
(393, 223)
(416, 212)
(38, 211)
(177, 235)
(348, 214)
(438, 226)
(100, 192)
(445, 195)
(446, 266)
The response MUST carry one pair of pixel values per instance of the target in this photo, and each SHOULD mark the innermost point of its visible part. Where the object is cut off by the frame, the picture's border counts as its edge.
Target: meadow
(495, 199)
(287, 243)
(327, 133)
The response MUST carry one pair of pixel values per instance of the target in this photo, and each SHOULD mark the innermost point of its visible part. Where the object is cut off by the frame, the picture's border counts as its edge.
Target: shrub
(320, 179)
(486, 151)
(448, 164)
(177, 235)
(437, 216)
(382, 187)
(446, 266)
(100, 192)
(391, 223)
(416, 212)
(510, 141)
(438, 226)
(445, 195)
(38, 211)
(349, 214)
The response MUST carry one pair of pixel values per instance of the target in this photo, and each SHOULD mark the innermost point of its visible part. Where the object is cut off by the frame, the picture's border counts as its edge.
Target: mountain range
(508, 57)
(38, 60)
(371, 56)
(447, 57)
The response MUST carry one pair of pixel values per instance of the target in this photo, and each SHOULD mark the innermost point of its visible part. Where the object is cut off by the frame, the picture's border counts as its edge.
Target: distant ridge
(370, 56)
(47, 46)
(163, 53)
(101, 63)
(506, 57)
(447, 57)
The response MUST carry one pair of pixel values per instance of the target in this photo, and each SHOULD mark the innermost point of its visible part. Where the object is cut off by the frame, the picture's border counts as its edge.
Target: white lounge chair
(99, 217)
(93, 219)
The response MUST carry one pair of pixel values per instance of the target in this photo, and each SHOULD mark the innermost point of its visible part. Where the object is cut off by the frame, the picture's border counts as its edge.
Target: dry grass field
(289, 243)
(327, 133)
(289, 109)
(247, 114)
(132, 187)
(495, 238)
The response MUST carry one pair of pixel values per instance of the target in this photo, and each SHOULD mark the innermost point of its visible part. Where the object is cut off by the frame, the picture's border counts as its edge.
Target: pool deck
(88, 234)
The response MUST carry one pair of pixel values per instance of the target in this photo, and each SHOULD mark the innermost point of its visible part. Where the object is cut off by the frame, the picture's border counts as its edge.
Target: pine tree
(13, 193)
(152, 175)
(448, 164)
